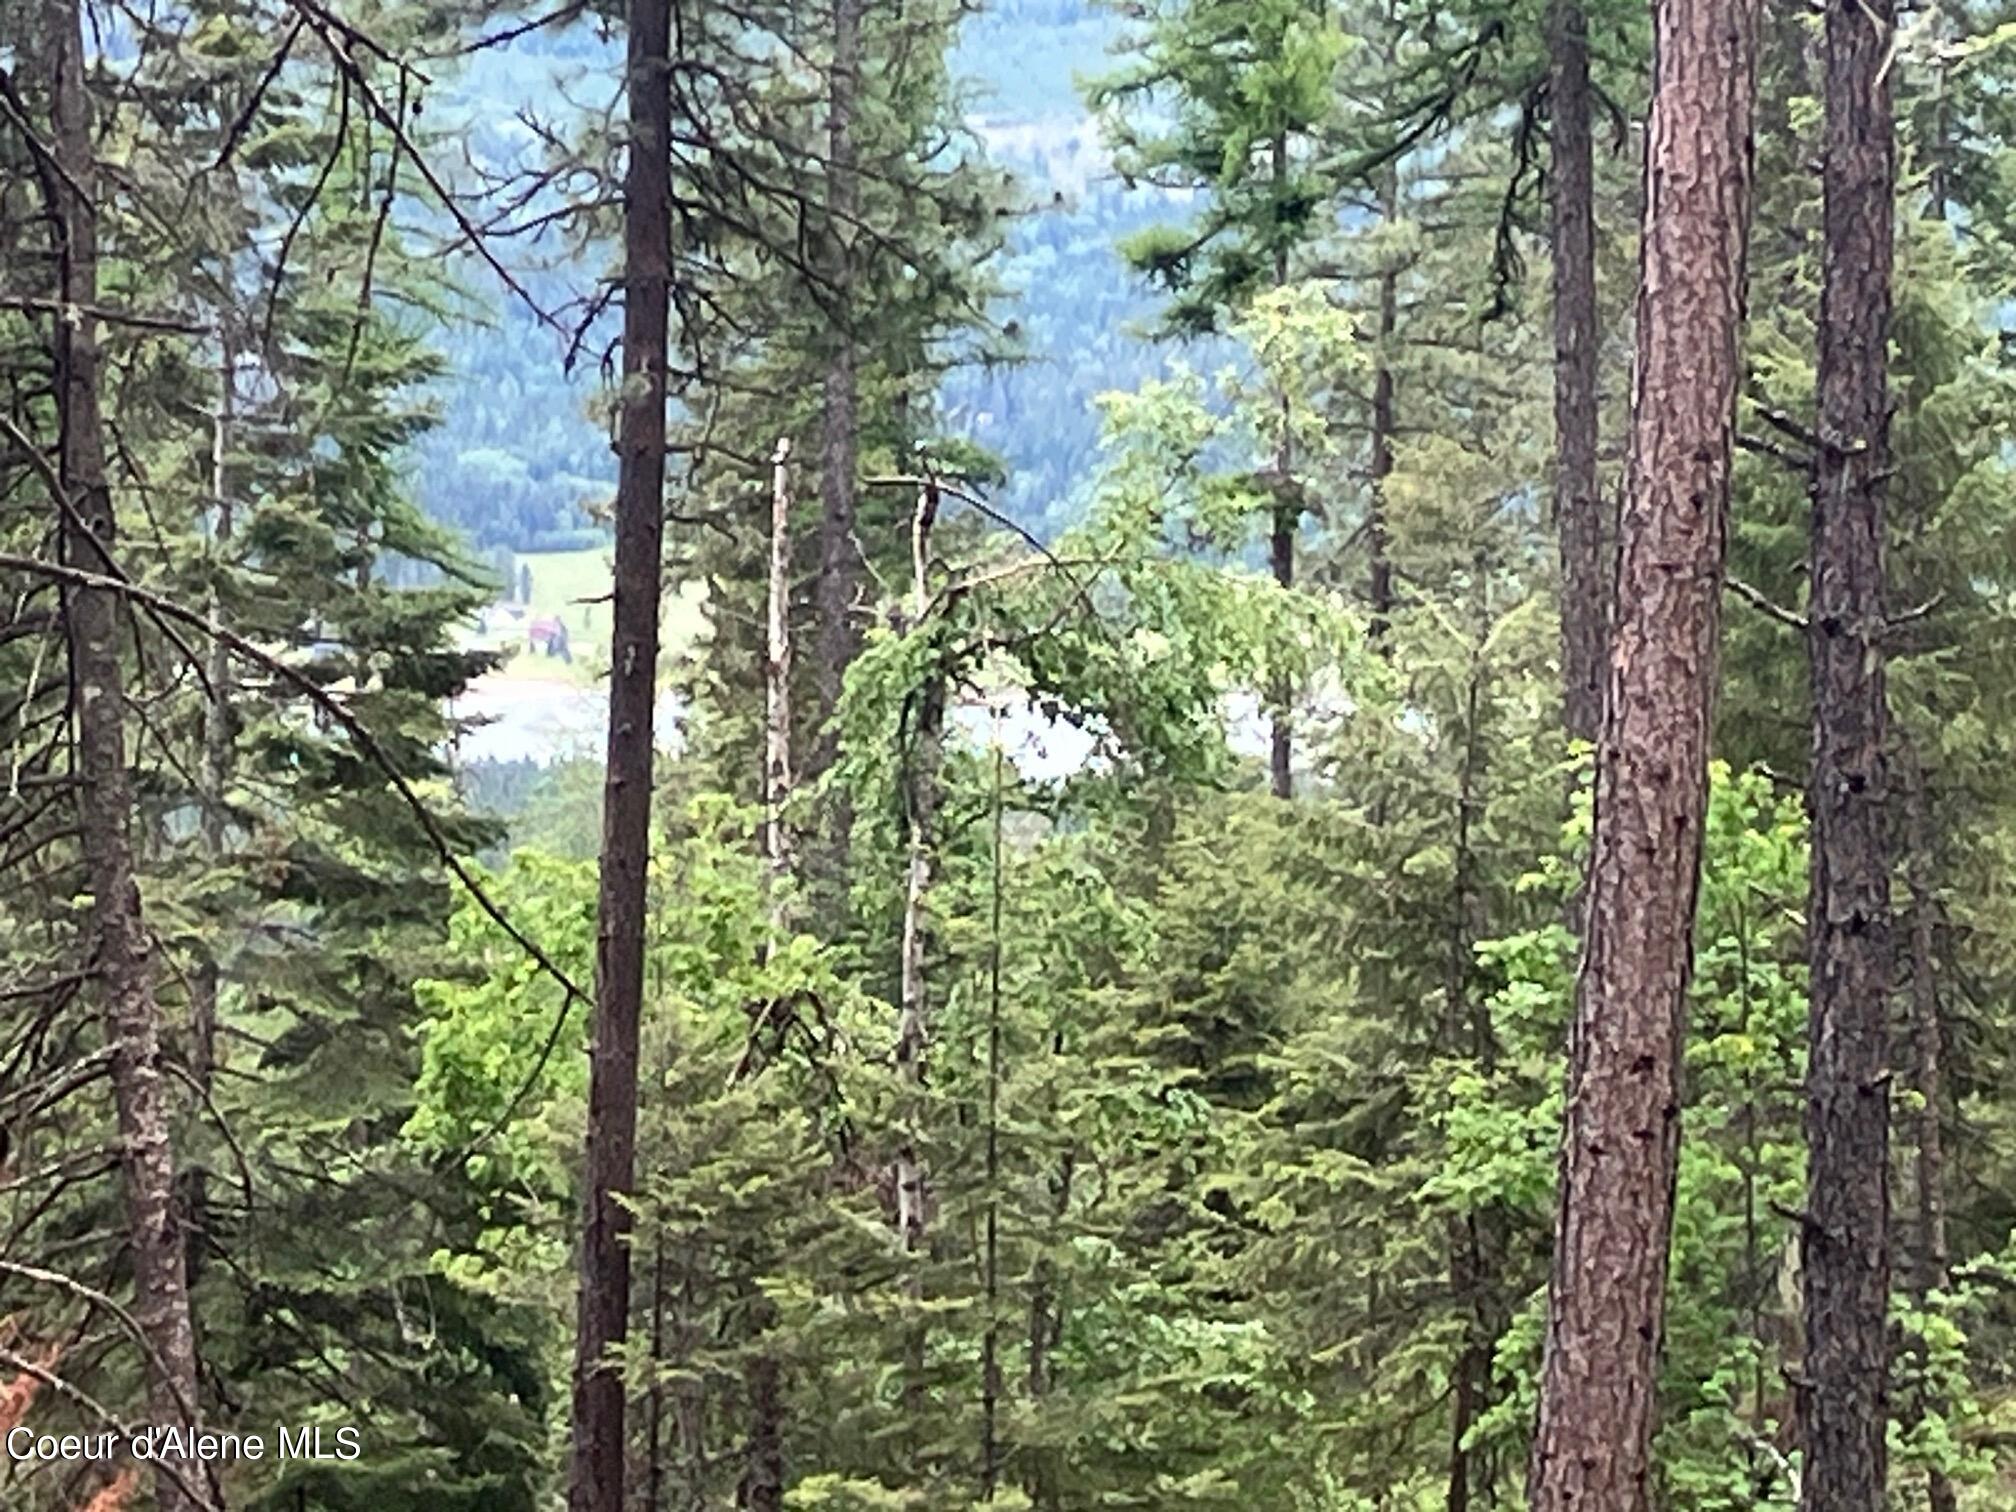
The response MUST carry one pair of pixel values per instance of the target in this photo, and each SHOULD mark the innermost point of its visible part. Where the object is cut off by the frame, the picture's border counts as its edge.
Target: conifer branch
(31, 304)
(104, 1303)
(1759, 446)
(337, 711)
(242, 123)
(1769, 608)
(75, 1394)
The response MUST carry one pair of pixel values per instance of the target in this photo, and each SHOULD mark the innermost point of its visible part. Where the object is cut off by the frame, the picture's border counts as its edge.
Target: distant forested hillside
(522, 464)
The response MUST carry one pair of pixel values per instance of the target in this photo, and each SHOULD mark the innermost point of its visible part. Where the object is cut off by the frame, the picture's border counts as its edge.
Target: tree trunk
(206, 980)
(777, 685)
(1606, 1299)
(155, 1232)
(1845, 1257)
(1578, 508)
(1281, 746)
(1380, 570)
(1281, 544)
(763, 1374)
(763, 1480)
(596, 1483)
(217, 734)
(990, 1346)
(922, 758)
(840, 584)
(1949, 25)
(1046, 1328)
(920, 797)
(1039, 1476)
(654, 1431)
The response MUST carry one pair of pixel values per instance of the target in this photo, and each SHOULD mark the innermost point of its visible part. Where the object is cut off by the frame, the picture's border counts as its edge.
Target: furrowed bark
(1578, 508)
(1845, 1252)
(839, 592)
(1606, 1299)
(155, 1229)
(596, 1482)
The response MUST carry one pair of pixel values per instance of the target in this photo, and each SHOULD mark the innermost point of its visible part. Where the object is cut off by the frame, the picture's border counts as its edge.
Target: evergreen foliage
(1110, 1133)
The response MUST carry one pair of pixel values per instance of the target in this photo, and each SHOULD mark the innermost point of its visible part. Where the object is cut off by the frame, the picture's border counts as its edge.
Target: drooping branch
(198, 1498)
(359, 733)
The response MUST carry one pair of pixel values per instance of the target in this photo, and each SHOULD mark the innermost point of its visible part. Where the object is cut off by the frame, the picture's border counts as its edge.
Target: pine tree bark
(840, 584)
(596, 1482)
(1606, 1299)
(155, 1226)
(1845, 1254)
(1578, 508)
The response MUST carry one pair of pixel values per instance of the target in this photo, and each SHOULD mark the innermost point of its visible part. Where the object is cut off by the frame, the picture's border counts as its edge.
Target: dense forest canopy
(1038, 754)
